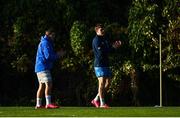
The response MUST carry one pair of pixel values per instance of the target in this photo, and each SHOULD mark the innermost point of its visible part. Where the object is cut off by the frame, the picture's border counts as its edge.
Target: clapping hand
(117, 44)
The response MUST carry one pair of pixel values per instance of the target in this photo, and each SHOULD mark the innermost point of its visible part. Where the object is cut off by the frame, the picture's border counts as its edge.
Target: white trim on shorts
(44, 76)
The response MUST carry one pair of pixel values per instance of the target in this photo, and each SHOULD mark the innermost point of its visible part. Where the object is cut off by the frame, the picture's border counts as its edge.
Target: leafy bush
(148, 19)
(78, 39)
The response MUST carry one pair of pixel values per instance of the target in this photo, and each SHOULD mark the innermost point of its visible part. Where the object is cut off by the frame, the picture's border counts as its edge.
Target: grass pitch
(91, 112)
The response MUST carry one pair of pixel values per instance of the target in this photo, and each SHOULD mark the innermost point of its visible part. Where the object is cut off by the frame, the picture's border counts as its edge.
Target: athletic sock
(48, 100)
(102, 101)
(38, 102)
(97, 97)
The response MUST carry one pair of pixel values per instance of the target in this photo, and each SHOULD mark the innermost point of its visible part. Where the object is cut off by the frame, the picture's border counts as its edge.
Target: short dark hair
(50, 30)
(99, 25)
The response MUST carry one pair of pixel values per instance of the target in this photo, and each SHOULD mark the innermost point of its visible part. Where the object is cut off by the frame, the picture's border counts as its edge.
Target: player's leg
(48, 92)
(107, 84)
(48, 89)
(100, 74)
(97, 97)
(40, 91)
(107, 80)
(39, 95)
(101, 90)
(95, 101)
(100, 95)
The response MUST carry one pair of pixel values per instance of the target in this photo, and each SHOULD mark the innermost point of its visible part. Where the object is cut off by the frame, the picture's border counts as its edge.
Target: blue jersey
(101, 49)
(45, 55)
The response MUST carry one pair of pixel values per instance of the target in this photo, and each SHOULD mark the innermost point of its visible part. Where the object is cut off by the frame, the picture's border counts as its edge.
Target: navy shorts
(103, 72)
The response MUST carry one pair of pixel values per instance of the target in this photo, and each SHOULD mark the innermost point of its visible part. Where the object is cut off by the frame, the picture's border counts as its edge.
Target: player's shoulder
(44, 42)
(96, 39)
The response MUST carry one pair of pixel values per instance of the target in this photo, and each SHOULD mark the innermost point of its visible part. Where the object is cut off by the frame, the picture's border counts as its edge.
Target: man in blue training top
(101, 49)
(44, 63)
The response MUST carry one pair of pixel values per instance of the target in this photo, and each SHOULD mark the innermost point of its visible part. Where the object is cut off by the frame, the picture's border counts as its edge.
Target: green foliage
(22, 63)
(171, 48)
(145, 24)
(78, 39)
(118, 87)
(70, 64)
(23, 22)
(142, 27)
(22, 38)
(128, 67)
(148, 19)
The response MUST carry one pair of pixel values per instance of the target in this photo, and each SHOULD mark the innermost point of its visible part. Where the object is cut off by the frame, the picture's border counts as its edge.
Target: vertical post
(160, 70)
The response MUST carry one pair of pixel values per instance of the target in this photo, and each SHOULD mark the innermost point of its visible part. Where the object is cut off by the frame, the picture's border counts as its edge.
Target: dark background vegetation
(137, 23)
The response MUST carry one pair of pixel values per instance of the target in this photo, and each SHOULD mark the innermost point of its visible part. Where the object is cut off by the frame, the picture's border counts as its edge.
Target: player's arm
(115, 45)
(98, 48)
(49, 52)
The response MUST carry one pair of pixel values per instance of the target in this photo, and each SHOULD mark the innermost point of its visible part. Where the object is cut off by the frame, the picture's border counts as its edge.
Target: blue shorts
(102, 72)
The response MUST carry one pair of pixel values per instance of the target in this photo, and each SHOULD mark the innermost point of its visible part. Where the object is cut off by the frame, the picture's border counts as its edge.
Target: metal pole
(160, 71)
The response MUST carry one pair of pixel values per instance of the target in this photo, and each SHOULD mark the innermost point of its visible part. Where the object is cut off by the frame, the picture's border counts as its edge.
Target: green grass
(91, 112)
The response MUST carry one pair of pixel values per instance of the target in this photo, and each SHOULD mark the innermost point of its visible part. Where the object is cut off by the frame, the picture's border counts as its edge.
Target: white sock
(102, 101)
(48, 100)
(38, 102)
(97, 97)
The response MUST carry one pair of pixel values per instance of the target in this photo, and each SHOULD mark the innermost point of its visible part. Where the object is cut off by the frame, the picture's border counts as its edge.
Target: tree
(148, 19)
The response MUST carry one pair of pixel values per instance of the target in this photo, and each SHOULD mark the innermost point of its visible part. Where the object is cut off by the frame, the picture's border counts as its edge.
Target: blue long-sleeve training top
(101, 49)
(45, 55)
